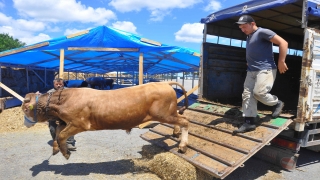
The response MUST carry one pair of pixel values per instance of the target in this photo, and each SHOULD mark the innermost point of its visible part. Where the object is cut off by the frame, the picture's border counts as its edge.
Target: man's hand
(282, 66)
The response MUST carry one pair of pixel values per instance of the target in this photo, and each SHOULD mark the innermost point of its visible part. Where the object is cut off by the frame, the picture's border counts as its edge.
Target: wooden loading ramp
(212, 147)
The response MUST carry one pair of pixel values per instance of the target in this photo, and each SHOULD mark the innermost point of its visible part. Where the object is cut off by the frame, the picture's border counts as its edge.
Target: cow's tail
(186, 103)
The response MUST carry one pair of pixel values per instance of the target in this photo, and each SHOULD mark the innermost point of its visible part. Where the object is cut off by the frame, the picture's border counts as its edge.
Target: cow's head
(29, 109)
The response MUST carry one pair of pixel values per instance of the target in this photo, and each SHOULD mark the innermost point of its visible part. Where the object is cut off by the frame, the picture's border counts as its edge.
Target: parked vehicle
(223, 71)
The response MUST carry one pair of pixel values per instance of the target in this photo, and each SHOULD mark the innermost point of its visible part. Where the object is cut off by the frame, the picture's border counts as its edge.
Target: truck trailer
(212, 145)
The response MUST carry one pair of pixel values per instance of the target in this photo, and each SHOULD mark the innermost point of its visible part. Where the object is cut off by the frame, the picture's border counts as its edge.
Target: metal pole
(0, 80)
(193, 74)
(182, 78)
(27, 72)
(45, 77)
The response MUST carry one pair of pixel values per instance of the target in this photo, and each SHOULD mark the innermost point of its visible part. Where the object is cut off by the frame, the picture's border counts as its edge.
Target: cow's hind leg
(182, 122)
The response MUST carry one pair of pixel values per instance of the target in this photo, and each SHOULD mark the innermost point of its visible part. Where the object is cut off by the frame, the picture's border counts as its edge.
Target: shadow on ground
(109, 168)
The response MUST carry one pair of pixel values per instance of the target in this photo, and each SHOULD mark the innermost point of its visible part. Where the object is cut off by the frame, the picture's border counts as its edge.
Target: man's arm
(283, 48)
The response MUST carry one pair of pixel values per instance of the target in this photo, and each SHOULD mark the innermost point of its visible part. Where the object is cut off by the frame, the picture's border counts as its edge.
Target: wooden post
(141, 68)
(61, 63)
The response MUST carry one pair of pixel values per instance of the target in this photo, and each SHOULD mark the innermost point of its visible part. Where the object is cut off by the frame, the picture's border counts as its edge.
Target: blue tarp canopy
(249, 7)
(101, 50)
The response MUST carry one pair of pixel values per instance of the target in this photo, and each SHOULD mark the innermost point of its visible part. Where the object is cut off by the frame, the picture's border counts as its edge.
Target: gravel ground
(99, 155)
(110, 155)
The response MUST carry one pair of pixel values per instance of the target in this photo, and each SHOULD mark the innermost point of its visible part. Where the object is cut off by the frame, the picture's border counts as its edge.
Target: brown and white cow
(86, 109)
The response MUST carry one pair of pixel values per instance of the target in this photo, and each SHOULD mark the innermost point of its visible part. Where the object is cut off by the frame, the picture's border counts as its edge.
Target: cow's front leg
(55, 146)
(68, 131)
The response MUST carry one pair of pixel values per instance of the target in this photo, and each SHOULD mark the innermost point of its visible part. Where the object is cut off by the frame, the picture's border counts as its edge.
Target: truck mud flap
(212, 146)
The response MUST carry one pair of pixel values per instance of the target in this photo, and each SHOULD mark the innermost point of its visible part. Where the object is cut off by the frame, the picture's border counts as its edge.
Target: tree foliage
(8, 42)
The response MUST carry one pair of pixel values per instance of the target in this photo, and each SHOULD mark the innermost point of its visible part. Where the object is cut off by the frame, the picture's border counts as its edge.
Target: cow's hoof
(67, 156)
(176, 135)
(183, 149)
(55, 151)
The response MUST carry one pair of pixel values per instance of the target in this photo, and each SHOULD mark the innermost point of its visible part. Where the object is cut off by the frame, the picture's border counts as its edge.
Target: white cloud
(63, 11)
(158, 9)
(213, 6)
(190, 33)
(24, 36)
(35, 39)
(125, 26)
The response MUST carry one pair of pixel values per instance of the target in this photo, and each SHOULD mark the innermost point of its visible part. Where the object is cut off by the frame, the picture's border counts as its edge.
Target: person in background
(59, 84)
(261, 70)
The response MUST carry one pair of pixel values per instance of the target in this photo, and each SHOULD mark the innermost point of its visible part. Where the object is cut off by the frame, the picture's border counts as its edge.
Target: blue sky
(173, 22)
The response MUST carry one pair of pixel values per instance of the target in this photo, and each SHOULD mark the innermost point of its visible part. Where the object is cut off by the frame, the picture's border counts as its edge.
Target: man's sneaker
(277, 109)
(71, 147)
(245, 128)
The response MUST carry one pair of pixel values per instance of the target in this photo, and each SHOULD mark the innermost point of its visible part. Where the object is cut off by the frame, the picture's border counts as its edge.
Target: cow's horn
(26, 100)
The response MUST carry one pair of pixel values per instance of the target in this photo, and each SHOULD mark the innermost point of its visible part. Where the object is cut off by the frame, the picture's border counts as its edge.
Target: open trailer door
(212, 146)
(309, 97)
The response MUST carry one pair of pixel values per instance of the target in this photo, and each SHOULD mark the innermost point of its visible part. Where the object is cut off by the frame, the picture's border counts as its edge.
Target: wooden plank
(178, 100)
(196, 54)
(14, 51)
(11, 92)
(102, 49)
(150, 41)
(78, 34)
(188, 93)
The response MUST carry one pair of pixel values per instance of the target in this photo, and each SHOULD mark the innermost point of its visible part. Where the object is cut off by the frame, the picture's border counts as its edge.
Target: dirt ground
(26, 154)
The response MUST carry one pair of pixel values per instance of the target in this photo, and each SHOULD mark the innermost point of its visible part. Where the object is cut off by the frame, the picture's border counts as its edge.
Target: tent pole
(193, 74)
(183, 78)
(61, 63)
(0, 80)
(117, 77)
(27, 72)
(45, 77)
(141, 68)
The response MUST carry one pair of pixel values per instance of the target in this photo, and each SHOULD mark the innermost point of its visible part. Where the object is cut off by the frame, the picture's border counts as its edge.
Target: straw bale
(169, 166)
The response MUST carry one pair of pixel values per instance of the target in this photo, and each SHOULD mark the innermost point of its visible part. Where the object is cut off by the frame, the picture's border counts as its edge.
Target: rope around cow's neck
(35, 109)
(48, 101)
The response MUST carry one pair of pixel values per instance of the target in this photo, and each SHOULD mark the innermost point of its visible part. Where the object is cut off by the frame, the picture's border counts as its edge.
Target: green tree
(8, 42)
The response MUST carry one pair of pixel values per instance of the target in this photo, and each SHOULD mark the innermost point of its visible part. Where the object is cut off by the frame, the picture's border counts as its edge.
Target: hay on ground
(11, 120)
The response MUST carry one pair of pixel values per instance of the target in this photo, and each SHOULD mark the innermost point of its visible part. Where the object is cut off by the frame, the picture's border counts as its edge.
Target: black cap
(245, 19)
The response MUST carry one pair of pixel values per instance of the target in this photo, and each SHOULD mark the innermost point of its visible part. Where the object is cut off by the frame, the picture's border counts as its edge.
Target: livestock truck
(217, 112)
